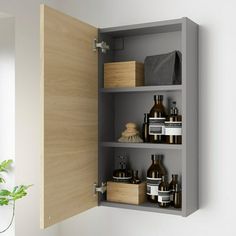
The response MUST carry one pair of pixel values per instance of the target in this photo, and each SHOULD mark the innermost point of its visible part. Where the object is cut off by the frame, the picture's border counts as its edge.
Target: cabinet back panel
(131, 108)
(140, 159)
(106, 115)
(138, 47)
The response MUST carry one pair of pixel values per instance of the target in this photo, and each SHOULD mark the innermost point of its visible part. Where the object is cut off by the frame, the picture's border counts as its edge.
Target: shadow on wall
(207, 122)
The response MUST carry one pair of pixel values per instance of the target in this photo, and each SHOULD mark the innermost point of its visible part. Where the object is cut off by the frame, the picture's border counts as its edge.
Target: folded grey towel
(163, 69)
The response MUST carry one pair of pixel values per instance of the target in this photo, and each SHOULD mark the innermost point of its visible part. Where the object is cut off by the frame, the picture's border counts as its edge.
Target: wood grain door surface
(70, 116)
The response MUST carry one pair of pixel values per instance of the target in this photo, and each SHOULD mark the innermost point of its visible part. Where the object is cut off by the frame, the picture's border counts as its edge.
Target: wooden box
(126, 192)
(123, 74)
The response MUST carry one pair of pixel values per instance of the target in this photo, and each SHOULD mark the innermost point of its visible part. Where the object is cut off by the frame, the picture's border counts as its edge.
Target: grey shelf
(142, 145)
(143, 207)
(142, 89)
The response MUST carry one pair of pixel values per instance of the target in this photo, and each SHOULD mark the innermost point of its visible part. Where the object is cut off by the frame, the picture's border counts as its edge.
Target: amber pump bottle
(157, 117)
(173, 183)
(154, 175)
(164, 193)
(173, 126)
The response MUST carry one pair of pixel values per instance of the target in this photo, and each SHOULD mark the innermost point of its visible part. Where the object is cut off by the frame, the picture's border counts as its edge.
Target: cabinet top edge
(148, 28)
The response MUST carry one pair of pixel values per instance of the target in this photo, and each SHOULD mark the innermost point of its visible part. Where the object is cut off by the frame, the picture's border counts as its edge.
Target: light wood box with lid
(123, 74)
(126, 192)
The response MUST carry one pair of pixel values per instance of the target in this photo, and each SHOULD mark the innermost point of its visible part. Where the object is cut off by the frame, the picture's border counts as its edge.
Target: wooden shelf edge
(143, 207)
(142, 145)
(142, 89)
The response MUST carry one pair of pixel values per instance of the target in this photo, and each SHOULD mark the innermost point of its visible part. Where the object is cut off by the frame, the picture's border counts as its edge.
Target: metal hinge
(103, 45)
(100, 189)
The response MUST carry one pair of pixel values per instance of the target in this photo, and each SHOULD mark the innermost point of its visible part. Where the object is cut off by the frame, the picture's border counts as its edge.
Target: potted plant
(8, 197)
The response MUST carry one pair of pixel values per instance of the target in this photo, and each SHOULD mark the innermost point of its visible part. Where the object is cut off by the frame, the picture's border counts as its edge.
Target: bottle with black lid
(154, 175)
(173, 126)
(164, 193)
(177, 196)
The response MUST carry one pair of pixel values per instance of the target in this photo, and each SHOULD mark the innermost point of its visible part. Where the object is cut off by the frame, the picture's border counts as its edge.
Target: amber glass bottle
(164, 193)
(177, 196)
(173, 126)
(154, 175)
(157, 117)
(145, 134)
(173, 183)
(135, 179)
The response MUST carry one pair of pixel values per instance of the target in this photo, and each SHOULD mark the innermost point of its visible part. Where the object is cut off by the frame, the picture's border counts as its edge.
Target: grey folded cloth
(164, 69)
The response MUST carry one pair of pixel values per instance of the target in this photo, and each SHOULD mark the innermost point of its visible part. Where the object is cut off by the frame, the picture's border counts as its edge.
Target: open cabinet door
(70, 116)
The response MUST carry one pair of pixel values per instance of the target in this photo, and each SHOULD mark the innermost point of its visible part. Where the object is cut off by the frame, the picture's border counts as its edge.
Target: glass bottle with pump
(157, 117)
(173, 126)
(154, 175)
(164, 193)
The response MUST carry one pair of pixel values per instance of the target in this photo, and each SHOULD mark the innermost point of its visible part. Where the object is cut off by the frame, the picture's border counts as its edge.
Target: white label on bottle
(164, 196)
(173, 128)
(152, 190)
(173, 131)
(156, 129)
(152, 186)
(172, 196)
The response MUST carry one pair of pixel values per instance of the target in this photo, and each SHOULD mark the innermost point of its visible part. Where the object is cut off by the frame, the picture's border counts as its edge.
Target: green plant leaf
(19, 192)
(4, 201)
(4, 166)
(2, 180)
(4, 192)
(7, 197)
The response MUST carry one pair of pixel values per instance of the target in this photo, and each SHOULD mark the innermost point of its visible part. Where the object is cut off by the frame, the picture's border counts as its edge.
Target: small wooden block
(126, 192)
(123, 74)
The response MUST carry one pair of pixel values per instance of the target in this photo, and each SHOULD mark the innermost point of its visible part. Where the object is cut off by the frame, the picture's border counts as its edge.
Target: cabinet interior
(116, 108)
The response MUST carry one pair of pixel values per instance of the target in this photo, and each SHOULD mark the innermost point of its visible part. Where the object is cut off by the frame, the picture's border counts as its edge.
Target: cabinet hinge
(100, 189)
(103, 45)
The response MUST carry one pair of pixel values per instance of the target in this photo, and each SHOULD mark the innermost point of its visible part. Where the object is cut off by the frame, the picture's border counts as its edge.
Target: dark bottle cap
(154, 157)
(174, 109)
(175, 176)
(160, 97)
(155, 98)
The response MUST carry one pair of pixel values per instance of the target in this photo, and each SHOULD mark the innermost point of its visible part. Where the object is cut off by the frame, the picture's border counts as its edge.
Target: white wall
(27, 114)
(7, 109)
(217, 37)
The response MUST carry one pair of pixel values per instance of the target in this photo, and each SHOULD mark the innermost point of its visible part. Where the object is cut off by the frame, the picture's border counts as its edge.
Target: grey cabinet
(119, 105)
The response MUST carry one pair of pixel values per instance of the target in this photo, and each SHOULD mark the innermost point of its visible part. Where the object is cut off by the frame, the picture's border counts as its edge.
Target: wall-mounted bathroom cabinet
(82, 120)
